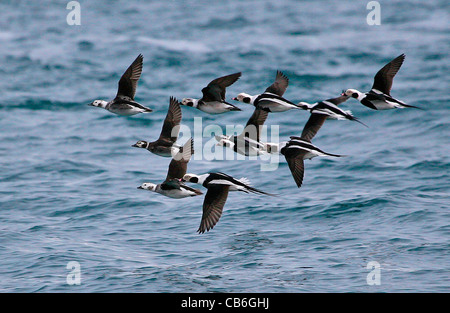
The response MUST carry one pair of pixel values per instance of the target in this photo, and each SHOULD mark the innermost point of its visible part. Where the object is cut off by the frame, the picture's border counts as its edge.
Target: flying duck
(379, 97)
(213, 100)
(248, 142)
(165, 145)
(298, 149)
(123, 103)
(218, 185)
(271, 100)
(326, 109)
(172, 186)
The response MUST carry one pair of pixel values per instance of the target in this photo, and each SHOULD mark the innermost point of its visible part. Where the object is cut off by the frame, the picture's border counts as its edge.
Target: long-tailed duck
(218, 185)
(379, 97)
(124, 103)
(323, 110)
(172, 186)
(165, 145)
(271, 100)
(213, 100)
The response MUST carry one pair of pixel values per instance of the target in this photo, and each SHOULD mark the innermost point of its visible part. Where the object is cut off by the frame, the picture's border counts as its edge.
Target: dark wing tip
(296, 166)
(398, 60)
(175, 110)
(234, 76)
(172, 121)
(384, 77)
(202, 229)
(225, 81)
(138, 62)
(281, 75)
(173, 100)
(188, 149)
(128, 80)
(237, 75)
(280, 84)
(213, 204)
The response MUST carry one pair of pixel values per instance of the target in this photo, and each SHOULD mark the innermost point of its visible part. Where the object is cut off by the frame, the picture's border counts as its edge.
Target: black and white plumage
(165, 145)
(172, 186)
(124, 103)
(213, 100)
(248, 143)
(218, 185)
(326, 109)
(272, 99)
(298, 149)
(379, 97)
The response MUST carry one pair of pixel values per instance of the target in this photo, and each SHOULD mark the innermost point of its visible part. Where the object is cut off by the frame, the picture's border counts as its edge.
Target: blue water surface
(69, 174)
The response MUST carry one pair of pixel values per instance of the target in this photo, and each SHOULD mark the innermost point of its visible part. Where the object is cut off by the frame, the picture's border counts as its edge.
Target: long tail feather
(357, 120)
(412, 106)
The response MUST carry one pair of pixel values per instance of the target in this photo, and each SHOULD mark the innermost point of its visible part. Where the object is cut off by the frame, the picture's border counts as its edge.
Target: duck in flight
(218, 185)
(272, 99)
(379, 97)
(124, 103)
(248, 142)
(213, 100)
(298, 149)
(166, 144)
(328, 109)
(172, 186)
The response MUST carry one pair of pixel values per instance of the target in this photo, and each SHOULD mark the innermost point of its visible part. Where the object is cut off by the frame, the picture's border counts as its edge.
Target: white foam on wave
(6, 35)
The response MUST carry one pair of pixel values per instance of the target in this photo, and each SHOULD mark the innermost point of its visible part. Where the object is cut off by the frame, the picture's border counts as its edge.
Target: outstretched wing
(383, 79)
(313, 125)
(316, 120)
(215, 199)
(172, 120)
(129, 79)
(280, 84)
(257, 119)
(296, 165)
(215, 91)
(178, 164)
(338, 100)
